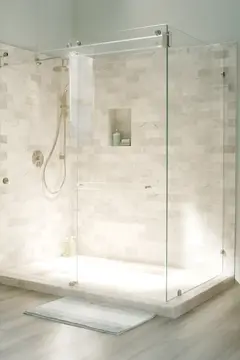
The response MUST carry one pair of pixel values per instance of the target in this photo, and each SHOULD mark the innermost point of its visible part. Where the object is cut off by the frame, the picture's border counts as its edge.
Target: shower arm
(39, 61)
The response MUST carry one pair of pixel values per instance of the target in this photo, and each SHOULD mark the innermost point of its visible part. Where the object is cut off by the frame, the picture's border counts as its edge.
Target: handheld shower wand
(62, 120)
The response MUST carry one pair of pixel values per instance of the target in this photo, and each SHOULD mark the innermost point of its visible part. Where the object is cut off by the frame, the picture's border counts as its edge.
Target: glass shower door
(195, 164)
(121, 212)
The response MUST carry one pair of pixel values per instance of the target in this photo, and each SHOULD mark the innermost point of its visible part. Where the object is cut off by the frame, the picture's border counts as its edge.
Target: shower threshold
(115, 282)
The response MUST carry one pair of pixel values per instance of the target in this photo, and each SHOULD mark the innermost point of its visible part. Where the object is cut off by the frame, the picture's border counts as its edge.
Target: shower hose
(61, 119)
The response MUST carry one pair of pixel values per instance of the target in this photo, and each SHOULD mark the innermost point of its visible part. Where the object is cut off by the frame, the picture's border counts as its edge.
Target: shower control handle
(5, 181)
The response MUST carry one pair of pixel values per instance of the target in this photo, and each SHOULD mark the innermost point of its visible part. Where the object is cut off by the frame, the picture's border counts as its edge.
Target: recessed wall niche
(120, 127)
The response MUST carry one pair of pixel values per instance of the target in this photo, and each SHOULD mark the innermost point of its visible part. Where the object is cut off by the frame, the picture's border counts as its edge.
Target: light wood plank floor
(210, 332)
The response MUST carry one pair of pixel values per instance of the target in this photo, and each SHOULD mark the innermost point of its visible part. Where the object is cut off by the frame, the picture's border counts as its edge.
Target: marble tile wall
(32, 224)
(122, 215)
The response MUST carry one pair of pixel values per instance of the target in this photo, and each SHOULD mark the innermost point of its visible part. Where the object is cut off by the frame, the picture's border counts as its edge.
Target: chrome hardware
(223, 252)
(166, 39)
(38, 158)
(3, 56)
(61, 156)
(148, 187)
(5, 181)
(158, 32)
(179, 292)
(38, 61)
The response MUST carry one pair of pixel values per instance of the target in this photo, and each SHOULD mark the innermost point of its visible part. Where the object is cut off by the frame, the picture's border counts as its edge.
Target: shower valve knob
(38, 158)
(223, 252)
(5, 181)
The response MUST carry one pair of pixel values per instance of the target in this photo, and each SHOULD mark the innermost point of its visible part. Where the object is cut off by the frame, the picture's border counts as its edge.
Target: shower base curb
(171, 309)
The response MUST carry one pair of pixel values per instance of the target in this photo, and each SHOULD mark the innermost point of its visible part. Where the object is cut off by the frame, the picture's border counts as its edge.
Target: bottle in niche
(72, 246)
(69, 247)
(65, 248)
(116, 138)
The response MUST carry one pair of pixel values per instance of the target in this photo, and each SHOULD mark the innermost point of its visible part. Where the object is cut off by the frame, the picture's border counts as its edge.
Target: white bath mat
(88, 315)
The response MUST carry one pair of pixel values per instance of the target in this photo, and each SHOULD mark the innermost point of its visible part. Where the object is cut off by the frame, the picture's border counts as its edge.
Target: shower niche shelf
(120, 127)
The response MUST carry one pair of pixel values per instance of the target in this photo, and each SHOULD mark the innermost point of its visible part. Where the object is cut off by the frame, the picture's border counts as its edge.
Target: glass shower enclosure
(135, 139)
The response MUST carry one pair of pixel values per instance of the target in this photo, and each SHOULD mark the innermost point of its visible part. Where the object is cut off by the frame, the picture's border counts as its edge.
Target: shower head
(61, 68)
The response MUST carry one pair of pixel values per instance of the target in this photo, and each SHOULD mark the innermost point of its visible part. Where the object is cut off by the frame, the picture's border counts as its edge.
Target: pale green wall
(52, 23)
(36, 24)
(213, 20)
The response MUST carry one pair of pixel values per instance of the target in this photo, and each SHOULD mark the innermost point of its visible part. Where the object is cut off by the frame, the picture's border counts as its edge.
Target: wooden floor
(210, 332)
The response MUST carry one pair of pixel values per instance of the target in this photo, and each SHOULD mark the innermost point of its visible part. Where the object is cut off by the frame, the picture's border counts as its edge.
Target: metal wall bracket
(166, 39)
(3, 57)
(5, 181)
(158, 32)
(179, 292)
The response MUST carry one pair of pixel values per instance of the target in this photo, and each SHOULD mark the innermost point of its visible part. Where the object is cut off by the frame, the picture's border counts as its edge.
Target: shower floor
(137, 283)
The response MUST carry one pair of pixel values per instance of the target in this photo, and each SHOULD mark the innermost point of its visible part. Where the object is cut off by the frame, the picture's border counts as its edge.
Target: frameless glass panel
(120, 95)
(130, 34)
(226, 58)
(139, 39)
(195, 164)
